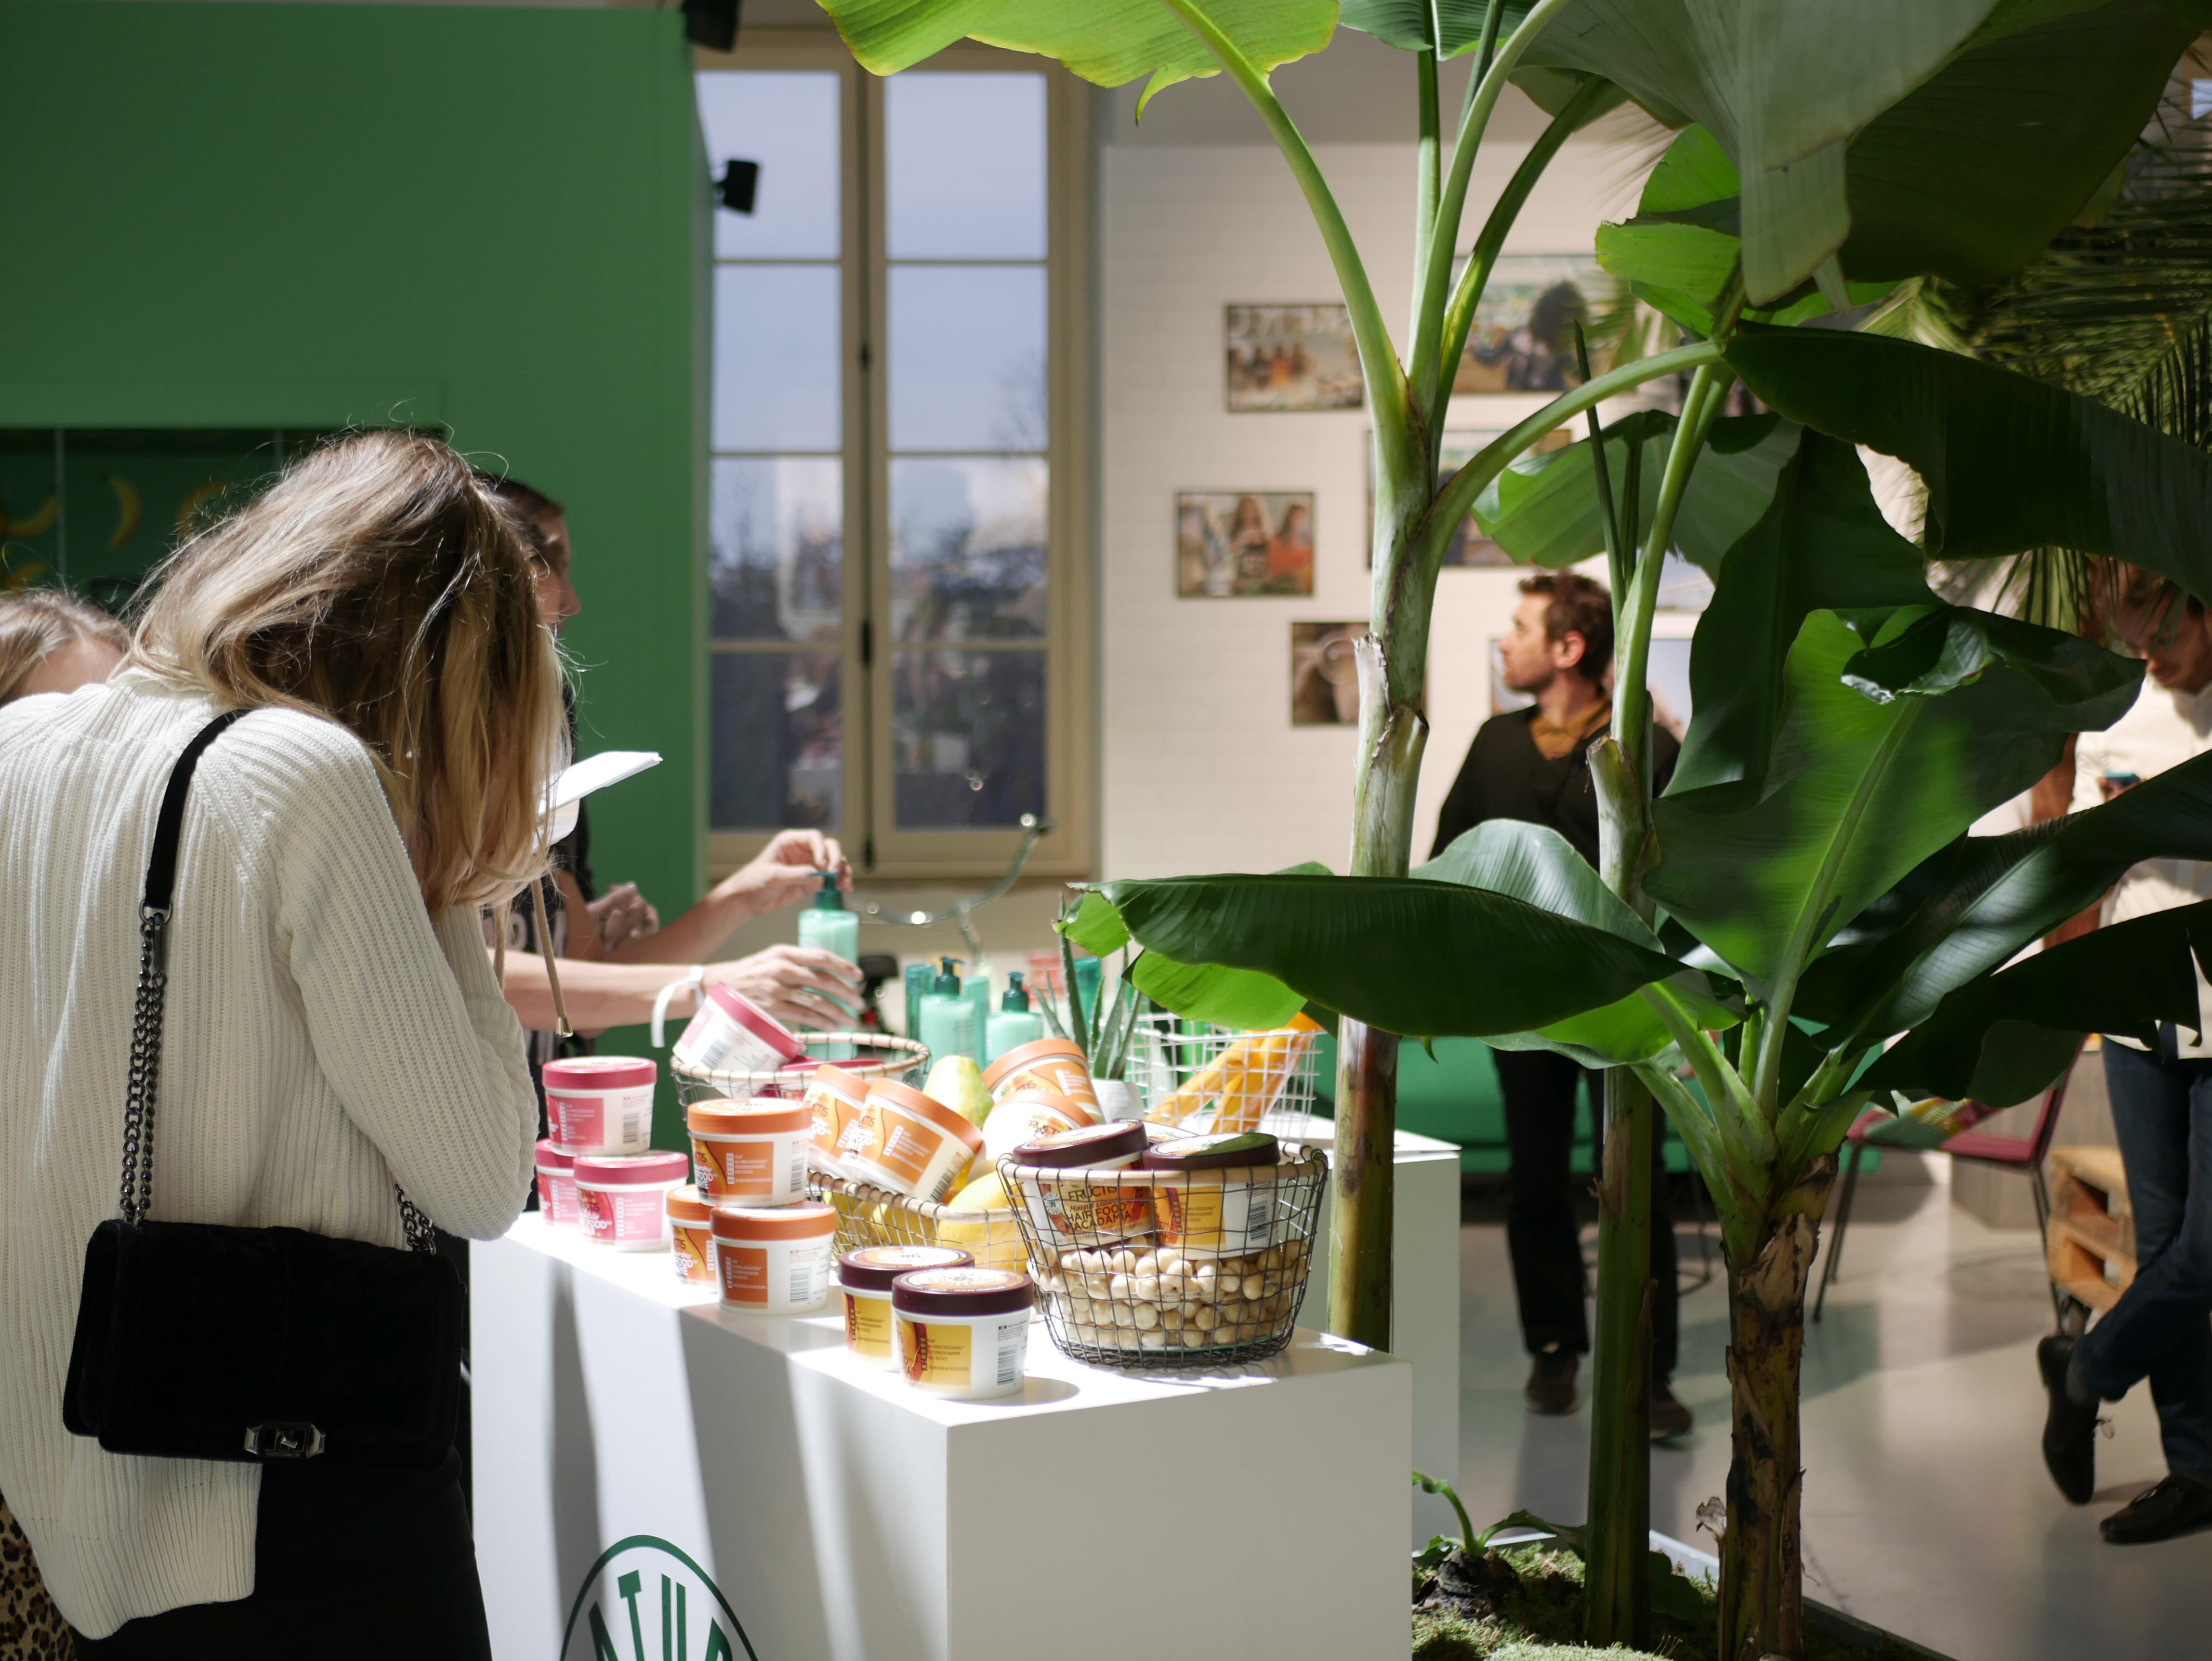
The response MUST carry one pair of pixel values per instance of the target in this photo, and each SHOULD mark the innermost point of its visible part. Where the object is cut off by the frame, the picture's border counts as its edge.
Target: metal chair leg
(1843, 1221)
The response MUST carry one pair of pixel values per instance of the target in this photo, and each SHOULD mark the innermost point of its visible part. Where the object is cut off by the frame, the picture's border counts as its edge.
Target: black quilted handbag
(195, 1340)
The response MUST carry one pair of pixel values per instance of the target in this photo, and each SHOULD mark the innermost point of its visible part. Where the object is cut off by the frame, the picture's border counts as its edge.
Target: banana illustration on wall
(194, 500)
(38, 525)
(126, 504)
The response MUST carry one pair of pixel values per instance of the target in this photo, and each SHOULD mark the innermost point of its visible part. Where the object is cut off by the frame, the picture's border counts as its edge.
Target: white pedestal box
(657, 1481)
(1424, 1300)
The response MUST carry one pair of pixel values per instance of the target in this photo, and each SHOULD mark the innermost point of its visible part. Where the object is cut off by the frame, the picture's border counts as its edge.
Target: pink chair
(1980, 1146)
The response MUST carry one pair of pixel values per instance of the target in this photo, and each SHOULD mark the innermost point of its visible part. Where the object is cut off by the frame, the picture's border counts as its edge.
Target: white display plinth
(680, 1472)
(1424, 1296)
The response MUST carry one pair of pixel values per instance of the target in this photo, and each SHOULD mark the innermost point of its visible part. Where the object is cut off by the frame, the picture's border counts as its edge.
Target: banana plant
(1830, 151)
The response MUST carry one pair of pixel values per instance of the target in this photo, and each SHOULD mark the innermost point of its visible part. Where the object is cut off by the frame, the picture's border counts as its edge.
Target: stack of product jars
(596, 1172)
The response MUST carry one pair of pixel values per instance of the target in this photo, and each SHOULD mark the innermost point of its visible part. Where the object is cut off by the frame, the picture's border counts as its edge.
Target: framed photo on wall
(1469, 546)
(1324, 674)
(1237, 544)
(1291, 357)
(1522, 337)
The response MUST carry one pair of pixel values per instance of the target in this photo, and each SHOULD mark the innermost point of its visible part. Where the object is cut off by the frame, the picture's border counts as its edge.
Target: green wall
(304, 216)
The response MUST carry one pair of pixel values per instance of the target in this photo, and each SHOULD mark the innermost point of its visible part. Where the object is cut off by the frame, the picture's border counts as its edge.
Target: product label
(595, 1213)
(934, 1353)
(868, 1326)
(1084, 1207)
(1216, 1218)
(833, 1117)
(695, 1253)
(557, 1197)
(796, 1277)
(899, 1144)
(808, 1287)
(1056, 1073)
(620, 1120)
(745, 1273)
(714, 1043)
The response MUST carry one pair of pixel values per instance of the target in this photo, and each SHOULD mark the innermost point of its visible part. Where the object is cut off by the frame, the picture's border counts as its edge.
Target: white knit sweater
(322, 1039)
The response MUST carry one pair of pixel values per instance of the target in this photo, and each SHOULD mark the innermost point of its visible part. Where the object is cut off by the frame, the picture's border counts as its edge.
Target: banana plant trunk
(1762, 1592)
(1617, 1586)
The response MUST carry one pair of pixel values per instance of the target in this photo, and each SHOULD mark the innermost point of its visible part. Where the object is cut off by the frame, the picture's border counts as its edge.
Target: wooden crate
(2091, 1248)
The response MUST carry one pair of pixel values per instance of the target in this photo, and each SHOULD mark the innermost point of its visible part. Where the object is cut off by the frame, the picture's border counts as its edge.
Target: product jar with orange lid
(1053, 1064)
(621, 1198)
(1215, 1195)
(751, 1151)
(1062, 1182)
(691, 1229)
(964, 1332)
(864, 1281)
(836, 1101)
(1025, 1114)
(557, 1185)
(774, 1260)
(911, 1144)
(732, 1034)
(600, 1103)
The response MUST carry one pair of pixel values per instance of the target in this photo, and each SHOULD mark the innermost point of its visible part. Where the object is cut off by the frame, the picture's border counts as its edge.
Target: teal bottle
(1014, 1023)
(828, 925)
(948, 1019)
(920, 975)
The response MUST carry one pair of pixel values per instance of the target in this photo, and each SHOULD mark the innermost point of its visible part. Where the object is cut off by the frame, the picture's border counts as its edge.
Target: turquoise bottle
(1013, 1024)
(828, 925)
(948, 1019)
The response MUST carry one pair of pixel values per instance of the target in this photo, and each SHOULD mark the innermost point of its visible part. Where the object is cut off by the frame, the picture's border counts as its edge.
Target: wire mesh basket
(871, 1216)
(1157, 1268)
(866, 1056)
(1197, 1077)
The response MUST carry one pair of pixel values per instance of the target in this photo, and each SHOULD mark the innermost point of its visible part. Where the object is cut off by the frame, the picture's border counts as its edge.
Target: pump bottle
(1014, 1023)
(828, 925)
(948, 1019)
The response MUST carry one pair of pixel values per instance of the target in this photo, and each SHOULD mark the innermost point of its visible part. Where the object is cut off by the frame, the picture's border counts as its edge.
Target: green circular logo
(646, 1600)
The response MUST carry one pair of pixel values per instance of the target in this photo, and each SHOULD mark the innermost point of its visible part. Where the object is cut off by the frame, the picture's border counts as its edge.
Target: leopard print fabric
(31, 1627)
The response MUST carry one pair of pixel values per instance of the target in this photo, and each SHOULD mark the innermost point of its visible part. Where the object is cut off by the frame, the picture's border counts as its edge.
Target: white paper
(592, 773)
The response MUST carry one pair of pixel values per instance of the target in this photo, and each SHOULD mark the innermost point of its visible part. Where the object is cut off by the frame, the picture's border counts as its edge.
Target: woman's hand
(622, 913)
(801, 985)
(787, 872)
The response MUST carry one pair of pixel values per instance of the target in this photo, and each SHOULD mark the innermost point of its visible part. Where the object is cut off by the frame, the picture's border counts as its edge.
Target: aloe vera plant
(1802, 893)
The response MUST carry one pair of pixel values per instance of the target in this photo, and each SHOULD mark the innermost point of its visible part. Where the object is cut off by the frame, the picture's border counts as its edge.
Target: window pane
(968, 730)
(779, 738)
(965, 159)
(785, 120)
(776, 358)
(967, 357)
(775, 547)
(968, 549)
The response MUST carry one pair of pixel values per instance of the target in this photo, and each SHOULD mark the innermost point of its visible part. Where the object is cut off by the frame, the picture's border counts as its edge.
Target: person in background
(50, 642)
(613, 948)
(1533, 764)
(333, 1028)
(2161, 1102)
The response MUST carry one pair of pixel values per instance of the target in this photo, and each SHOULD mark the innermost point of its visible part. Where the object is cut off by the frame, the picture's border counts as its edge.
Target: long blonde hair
(377, 583)
(37, 622)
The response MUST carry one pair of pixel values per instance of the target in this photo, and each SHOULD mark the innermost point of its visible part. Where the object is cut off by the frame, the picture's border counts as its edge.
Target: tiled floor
(1926, 1508)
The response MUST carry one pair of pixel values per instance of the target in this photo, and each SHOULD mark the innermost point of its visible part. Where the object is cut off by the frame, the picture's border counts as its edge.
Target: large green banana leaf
(1989, 896)
(1858, 792)
(1446, 27)
(1822, 545)
(2004, 1037)
(1105, 41)
(1242, 1000)
(1543, 510)
(1971, 174)
(2009, 463)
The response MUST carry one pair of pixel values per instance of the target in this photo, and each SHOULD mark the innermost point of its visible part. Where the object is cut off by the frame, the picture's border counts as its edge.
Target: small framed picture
(1291, 357)
(1522, 338)
(1325, 674)
(1469, 546)
(1237, 544)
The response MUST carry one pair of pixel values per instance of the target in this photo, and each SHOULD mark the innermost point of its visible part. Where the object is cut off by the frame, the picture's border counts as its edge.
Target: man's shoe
(1670, 1418)
(1551, 1387)
(2069, 1429)
(2177, 1505)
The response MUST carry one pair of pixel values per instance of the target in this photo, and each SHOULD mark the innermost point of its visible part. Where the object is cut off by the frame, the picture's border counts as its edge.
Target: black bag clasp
(283, 1439)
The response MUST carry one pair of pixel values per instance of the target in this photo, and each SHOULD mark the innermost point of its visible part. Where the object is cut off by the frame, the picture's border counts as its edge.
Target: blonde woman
(50, 642)
(332, 1025)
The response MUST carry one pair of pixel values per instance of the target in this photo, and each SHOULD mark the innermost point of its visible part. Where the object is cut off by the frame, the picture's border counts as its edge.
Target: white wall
(1200, 769)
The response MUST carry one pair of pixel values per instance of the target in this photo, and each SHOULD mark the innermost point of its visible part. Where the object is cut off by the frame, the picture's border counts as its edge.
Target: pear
(957, 1083)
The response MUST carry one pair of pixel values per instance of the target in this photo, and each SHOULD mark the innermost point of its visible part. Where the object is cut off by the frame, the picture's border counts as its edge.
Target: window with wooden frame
(900, 633)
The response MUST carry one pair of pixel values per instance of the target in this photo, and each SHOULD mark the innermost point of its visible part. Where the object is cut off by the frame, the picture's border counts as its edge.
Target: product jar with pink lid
(751, 1151)
(774, 1260)
(600, 1103)
(622, 1199)
(731, 1034)
(557, 1185)
(911, 1144)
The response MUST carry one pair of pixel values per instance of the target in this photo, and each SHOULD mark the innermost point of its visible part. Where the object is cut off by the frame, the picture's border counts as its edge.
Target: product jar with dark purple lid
(1215, 1196)
(1058, 1181)
(864, 1279)
(964, 1332)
